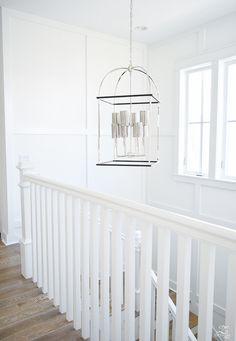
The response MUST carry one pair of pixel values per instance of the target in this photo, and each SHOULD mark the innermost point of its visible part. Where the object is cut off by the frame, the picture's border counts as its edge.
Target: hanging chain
(130, 52)
(131, 34)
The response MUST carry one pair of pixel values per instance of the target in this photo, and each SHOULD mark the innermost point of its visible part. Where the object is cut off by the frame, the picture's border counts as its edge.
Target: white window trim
(224, 65)
(214, 178)
(185, 73)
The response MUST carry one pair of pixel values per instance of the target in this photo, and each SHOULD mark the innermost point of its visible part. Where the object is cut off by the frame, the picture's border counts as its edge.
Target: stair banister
(105, 273)
(130, 278)
(172, 310)
(84, 276)
(163, 273)
(198, 229)
(24, 168)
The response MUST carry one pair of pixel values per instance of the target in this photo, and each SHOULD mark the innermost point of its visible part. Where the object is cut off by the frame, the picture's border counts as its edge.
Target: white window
(195, 112)
(228, 121)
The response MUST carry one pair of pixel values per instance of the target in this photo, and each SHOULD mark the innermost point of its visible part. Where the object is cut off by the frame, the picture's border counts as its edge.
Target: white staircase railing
(66, 248)
(172, 313)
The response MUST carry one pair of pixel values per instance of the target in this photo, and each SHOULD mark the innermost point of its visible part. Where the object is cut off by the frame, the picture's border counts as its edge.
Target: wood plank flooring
(25, 312)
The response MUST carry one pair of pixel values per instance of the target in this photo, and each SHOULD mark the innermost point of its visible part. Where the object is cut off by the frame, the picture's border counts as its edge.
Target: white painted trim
(193, 214)
(204, 181)
(171, 208)
(194, 32)
(182, 224)
(217, 308)
(45, 131)
(26, 258)
(173, 285)
(218, 220)
(9, 138)
(8, 239)
(66, 27)
(211, 56)
(58, 131)
(8, 16)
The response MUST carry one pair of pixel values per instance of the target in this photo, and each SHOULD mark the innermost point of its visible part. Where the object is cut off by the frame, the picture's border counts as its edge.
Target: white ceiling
(163, 18)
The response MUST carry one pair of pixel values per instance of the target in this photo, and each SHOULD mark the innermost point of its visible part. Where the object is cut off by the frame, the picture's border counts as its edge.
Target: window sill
(194, 179)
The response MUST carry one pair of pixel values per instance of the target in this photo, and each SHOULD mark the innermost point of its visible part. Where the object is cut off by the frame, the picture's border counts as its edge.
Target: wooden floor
(25, 312)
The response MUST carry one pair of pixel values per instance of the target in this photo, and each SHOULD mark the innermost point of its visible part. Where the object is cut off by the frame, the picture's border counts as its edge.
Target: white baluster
(183, 287)
(44, 240)
(230, 320)
(77, 262)
(48, 201)
(173, 329)
(105, 270)
(137, 270)
(33, 233)
(116, 277)
(145, 285)
(85, 271)
(69, 258)
(163, 269)
(55, 232)
(153, 313)
(39, 237)
(129, 280)
(26, 242)
(206, 291)
(62, 251)
(94, 273)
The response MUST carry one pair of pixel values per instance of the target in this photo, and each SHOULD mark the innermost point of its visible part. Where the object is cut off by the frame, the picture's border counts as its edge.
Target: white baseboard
(9, 239)
(26, 258)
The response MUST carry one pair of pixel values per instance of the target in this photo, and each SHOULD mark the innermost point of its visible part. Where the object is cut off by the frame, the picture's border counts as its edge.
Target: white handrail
(56, 216)
(215, 234)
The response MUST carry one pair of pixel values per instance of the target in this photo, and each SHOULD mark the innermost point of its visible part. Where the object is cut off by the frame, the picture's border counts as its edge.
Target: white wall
(3, 187)
(52, 74)
(209, 200)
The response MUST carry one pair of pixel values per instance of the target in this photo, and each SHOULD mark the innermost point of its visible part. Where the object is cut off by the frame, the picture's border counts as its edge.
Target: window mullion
(185, 161)
(201, 124)
(213, 120)
(224, 125)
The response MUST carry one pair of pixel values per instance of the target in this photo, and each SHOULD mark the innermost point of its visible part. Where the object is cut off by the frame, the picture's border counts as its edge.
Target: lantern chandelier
(128, 119)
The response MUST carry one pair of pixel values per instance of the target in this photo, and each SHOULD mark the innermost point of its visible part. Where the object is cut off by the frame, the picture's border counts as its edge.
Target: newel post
(25, 168)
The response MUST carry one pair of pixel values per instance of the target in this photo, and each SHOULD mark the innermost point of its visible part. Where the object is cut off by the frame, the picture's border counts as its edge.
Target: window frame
(215, 175)
(222, 111)
(184, 120)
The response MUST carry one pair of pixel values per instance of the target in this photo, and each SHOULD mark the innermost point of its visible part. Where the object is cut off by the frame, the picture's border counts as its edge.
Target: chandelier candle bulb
(124, 131)
(118, 118)
(135, 130)
(138, 130)
(144, 117)
(124, 118)
(127, 119)
(118, 131)
(114, 117)
(133, 119)
(114, 130)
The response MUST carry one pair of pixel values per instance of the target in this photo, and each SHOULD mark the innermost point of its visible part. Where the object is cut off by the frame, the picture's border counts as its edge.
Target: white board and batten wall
(206, 199)
(52, 73)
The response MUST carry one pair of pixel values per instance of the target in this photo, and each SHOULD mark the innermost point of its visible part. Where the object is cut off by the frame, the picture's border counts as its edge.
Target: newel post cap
(25, 167)
(24, 164)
